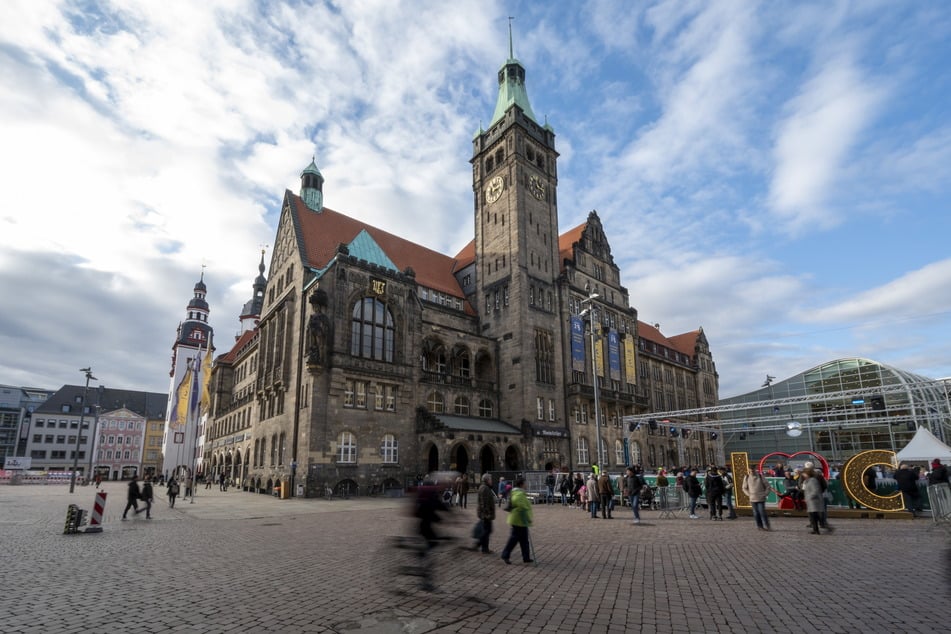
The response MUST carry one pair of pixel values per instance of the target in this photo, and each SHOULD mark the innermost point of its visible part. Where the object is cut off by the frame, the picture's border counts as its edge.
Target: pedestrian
(907, 481)
(632, 491)
(591, 492)
(550, 487)
(132, 498)
(172, 491)
(662, 483)
(756, 487)
(939, 473)
(98, 480)
(520, 518)
(812, 496)
(485, 510)
(577, 485)
(502, 489)
(728, 492)
(189, 483)
(563, 489)
(464, 490)
(606, 494)
(715, 490)
(694, 491)
(146, 497)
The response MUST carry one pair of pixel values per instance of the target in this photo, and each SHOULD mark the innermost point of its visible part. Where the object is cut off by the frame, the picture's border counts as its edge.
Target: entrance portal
(487, 459)
(461, 459)
(433, 460)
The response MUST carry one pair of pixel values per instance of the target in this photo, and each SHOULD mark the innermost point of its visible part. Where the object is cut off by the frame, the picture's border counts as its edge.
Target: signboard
(577, 344)
(12, 463)
(179, 438)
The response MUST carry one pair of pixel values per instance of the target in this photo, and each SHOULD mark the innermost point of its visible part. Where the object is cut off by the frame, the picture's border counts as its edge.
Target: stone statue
(319, 329)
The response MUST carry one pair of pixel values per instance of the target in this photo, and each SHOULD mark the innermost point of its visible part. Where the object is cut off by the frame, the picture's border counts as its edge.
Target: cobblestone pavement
(234, 561)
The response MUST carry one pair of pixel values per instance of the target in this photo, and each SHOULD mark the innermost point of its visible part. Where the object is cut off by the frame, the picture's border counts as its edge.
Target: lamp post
(79, 432)
(594, 376)
(95, 428)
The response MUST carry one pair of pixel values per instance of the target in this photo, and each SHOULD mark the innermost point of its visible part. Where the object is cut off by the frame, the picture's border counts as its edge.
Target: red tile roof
(231, 355)
(566, 242)
(683, 343)
(323, 232)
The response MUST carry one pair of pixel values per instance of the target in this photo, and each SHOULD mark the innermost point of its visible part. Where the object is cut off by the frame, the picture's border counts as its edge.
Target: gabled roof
(683, 343)
(323, 232)
(566, 243)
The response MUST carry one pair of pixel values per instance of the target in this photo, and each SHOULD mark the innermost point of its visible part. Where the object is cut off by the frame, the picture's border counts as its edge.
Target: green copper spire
(512, 87)
(312, 186)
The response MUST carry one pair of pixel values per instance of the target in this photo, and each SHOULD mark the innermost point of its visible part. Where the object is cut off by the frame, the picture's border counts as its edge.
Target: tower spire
(511, 48)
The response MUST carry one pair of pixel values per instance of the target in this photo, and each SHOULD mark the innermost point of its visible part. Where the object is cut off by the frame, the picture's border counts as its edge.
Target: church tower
(194, 342)
(514, 180)
(251, 312)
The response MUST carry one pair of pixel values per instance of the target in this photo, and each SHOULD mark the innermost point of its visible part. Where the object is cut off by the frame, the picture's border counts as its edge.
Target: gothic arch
(513, 459)
(459, 459)
(487, 459)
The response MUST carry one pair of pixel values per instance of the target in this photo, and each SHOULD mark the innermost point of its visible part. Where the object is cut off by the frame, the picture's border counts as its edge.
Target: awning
(481, 425)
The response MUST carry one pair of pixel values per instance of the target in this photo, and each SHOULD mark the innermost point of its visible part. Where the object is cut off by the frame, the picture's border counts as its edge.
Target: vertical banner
(577, 343)
(614, 355)
(598, 349)
(630, 359)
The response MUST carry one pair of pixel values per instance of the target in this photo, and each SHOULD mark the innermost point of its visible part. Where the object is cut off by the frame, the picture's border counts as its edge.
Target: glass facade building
(836, 409)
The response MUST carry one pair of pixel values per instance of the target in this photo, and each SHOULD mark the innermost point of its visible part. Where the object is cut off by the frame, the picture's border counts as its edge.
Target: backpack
(173, 489)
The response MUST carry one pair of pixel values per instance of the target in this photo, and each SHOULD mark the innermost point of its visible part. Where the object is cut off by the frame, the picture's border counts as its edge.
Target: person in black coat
(908, 485)
(146, 497)
(715, 490)
(939, 473)
(694, 491)
(132, 498)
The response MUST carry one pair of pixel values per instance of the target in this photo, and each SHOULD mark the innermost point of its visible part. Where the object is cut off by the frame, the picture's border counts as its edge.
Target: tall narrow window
(347, 448)
(582, 450)
(389, 449)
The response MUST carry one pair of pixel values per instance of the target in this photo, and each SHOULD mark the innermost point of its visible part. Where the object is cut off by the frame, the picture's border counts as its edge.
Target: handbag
(478, 530)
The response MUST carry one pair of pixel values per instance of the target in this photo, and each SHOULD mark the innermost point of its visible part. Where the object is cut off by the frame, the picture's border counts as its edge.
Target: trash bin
(300, 490)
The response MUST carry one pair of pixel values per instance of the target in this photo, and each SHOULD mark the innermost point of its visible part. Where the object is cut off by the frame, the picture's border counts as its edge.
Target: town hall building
(376, 360)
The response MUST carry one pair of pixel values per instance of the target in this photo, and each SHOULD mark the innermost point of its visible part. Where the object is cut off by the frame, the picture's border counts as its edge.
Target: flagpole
(191, 397)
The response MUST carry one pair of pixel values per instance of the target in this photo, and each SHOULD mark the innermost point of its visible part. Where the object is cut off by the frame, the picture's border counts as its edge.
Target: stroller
(647, 497)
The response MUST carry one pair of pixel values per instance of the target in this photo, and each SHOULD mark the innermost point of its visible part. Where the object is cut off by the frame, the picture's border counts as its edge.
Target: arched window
(582, 450)
(618, 452)
(436, 403)
(372, 330)
(273, 450)
(347, 448)
(282, 449)
(636, 456)
(389, 449)
(461, 406)
(485, 408)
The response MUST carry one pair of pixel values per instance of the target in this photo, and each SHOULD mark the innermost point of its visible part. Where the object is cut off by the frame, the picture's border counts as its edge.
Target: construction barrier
(75, 517)
(940, 497)
(95, 520)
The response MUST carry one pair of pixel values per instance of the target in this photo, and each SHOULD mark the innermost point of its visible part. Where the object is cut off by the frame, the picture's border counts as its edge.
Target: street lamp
(594, 375)
(79, 432)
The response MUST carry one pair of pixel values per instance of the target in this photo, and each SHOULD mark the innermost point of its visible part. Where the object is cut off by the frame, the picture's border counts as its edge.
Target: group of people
(146, 494)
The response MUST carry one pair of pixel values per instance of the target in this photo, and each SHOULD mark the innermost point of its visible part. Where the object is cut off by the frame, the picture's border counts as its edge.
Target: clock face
(493, 190)
(537, 187)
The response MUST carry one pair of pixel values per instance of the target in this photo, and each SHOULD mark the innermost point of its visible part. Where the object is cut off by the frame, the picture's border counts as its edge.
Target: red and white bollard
(95, 520)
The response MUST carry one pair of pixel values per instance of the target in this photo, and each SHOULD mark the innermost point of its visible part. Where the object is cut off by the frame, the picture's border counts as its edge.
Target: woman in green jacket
(520, 518)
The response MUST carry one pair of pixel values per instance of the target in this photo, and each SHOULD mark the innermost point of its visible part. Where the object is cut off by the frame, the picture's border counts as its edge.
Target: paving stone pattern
(239, 562)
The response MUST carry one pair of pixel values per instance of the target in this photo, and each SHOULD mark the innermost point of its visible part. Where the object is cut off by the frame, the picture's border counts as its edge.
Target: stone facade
(376, 360)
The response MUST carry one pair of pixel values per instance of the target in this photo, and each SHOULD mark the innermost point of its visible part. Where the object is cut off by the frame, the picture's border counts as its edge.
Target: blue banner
(614, 355)
(577, 343)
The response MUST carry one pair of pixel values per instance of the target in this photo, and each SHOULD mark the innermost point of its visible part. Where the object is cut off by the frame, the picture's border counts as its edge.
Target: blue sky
(777, 173)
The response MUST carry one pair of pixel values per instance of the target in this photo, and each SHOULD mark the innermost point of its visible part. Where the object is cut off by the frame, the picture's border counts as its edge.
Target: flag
(206, 381)
(195, 392)
(180, 406)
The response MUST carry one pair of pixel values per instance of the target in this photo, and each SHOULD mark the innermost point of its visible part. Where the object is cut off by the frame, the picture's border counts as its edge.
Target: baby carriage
(647, 497)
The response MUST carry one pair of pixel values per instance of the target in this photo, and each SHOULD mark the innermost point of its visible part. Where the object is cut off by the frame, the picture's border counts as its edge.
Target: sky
(777, 173)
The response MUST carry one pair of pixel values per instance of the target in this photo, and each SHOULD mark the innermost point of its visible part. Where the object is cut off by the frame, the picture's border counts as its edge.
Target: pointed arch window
(372, 334)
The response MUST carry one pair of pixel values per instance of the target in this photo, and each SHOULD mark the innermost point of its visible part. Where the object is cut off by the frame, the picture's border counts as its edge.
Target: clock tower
(514, 180)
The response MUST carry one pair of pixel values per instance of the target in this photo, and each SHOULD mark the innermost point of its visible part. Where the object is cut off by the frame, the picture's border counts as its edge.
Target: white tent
(924, 447)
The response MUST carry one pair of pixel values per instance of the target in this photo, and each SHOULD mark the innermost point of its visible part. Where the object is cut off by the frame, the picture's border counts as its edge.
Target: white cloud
(813, 142)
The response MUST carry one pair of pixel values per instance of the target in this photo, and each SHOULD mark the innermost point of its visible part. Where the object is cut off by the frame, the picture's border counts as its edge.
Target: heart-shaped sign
(822, 461)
